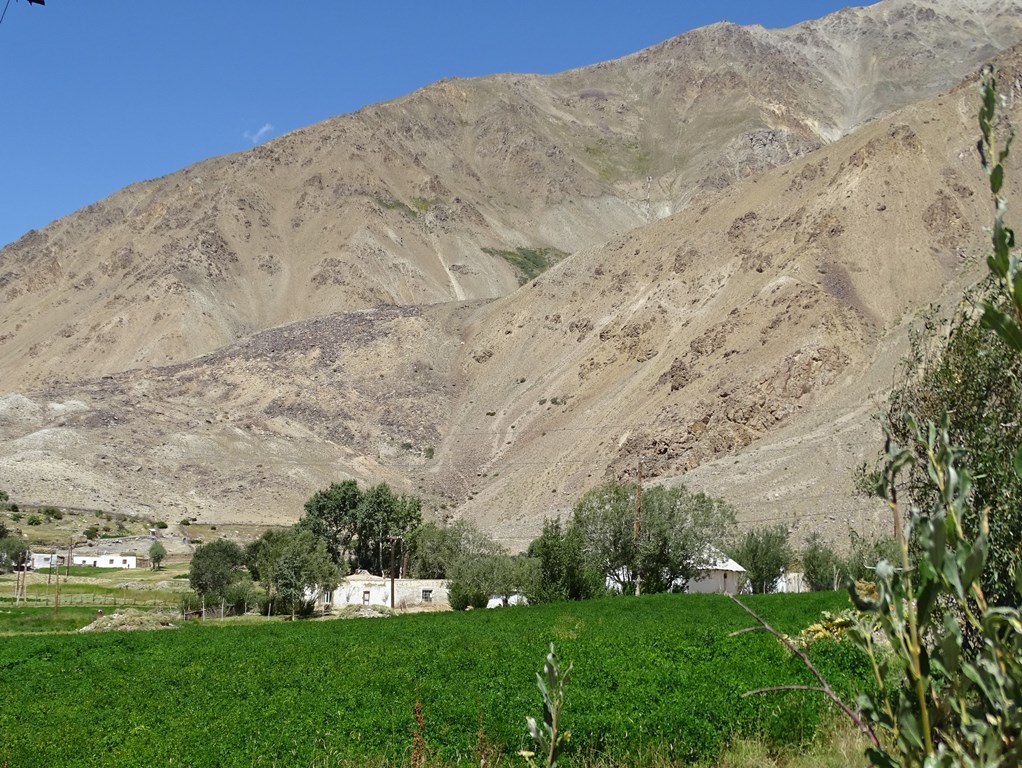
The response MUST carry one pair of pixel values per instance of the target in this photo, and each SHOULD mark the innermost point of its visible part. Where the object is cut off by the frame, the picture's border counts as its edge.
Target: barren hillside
(738, 223)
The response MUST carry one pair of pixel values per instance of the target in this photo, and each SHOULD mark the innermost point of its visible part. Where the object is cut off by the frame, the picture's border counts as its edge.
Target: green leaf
(1004, 325)
(1018, 461)
(997, 178)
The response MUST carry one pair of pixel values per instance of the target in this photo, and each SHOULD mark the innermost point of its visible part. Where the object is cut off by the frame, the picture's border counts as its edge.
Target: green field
(655, 678)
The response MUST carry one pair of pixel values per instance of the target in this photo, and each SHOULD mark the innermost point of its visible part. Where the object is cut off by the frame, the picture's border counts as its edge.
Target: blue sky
(98, 95)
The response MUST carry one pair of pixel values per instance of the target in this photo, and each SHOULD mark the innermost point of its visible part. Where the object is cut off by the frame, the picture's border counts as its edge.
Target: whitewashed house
(38, 561)
(719, 575)
(366, 589)
(106, 561)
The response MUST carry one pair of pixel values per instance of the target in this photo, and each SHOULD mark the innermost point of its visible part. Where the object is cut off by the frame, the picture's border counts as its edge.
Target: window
(427, 595)
(365, 597)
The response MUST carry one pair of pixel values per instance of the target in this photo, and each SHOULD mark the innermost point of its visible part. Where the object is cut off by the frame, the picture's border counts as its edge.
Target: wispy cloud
(256, 136)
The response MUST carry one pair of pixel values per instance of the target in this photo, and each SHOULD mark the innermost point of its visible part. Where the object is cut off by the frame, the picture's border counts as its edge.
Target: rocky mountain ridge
(735, 234)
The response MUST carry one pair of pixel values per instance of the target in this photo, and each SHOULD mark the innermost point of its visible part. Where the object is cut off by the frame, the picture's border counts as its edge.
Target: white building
(38, 561)
(719, 575)
(106, 561)
(366, 589)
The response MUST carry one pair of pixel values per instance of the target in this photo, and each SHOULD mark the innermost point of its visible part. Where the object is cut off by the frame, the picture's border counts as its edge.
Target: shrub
(34, 520)
(821, 565)
(161, 524)
(92, 532)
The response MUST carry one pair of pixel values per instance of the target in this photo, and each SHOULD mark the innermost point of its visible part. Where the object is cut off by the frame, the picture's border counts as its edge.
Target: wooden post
(56, 594)
(638, 526)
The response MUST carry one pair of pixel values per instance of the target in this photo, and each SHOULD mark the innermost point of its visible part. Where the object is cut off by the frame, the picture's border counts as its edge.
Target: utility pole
(56, 593)
(638, 526)
(393, 543)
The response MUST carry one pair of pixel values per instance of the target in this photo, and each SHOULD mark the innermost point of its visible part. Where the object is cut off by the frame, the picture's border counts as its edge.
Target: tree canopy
(677, 532)
(436, 548)
(357, 524)
(215, 566)
(290, 565)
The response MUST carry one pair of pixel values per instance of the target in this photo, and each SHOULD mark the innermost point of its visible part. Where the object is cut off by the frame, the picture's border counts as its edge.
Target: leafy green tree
(474, 580)
(13, 553)
(383, 514)
(157, 552)
(677, 533)
(303, 569)
(765, 553)
(4, 533)
(357, 525)
(91, 533)
(241, 595)
(215, 566)
(435, 548)
(291, 565)
(562, 572)
(332, 514)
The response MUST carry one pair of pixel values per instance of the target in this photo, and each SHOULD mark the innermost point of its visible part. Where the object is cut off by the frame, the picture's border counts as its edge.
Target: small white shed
(719, 575)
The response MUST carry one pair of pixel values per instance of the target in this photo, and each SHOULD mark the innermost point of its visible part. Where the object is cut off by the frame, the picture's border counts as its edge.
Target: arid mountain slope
(415, 201)
(734, 344)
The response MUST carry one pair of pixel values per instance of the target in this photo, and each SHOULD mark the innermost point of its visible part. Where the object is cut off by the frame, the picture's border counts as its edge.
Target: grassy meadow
(657, 680)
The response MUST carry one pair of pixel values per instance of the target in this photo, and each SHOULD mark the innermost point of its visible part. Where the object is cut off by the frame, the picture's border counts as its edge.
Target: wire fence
(97, 600)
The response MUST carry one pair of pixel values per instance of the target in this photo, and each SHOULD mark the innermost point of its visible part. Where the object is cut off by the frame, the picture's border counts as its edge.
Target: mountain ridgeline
(494, 292)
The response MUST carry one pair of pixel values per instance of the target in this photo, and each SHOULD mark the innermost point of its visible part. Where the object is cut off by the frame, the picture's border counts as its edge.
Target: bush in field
(472, 581)
(562, 570)
(34, 520)
(821, 565)
(291, 564)
(91, 533)
(824, 568)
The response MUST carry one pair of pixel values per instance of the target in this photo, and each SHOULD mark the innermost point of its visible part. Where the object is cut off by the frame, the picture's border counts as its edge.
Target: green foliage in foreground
(659, 673)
